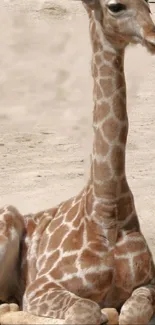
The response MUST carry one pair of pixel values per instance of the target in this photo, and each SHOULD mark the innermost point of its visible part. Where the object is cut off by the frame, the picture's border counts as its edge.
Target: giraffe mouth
(149, 44)
(151, 48)
(149, 41)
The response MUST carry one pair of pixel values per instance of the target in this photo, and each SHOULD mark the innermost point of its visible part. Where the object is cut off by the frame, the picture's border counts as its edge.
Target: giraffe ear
(89, 2)
(92, 4)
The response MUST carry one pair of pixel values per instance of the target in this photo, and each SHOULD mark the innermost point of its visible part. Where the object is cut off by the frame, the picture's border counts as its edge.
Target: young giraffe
(89, 251)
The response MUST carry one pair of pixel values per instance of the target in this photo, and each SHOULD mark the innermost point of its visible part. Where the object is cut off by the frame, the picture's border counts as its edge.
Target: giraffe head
(124, 21)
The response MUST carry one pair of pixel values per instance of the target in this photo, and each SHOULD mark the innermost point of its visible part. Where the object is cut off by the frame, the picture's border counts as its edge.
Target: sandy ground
(46, 104)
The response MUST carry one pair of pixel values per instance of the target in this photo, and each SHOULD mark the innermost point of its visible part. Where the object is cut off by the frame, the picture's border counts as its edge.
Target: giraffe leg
(11, 230)
(85, 311)
(52, 300)
(10, 315)
(139, 308)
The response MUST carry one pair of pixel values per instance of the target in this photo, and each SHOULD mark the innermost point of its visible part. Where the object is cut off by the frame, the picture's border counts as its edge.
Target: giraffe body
(93, 266)
(89, 252)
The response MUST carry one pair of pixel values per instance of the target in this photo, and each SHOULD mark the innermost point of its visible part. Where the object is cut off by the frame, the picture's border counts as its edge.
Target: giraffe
(88, 252)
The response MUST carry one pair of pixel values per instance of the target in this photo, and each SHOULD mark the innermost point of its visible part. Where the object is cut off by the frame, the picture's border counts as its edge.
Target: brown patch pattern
(111, 129)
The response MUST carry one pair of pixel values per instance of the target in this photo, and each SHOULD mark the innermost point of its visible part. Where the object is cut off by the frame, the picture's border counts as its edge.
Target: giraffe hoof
(84, 311)
(14, 307)
(111, 315)
(136, 310)
(5, 308)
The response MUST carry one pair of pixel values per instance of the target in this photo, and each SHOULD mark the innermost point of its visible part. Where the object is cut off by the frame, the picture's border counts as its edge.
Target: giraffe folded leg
(139, 308)
(11, 230)
(53, 300)
(85, 311)
(10, 314)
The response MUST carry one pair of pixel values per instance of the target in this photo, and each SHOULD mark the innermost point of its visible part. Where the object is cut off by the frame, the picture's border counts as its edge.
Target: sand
(46, 105)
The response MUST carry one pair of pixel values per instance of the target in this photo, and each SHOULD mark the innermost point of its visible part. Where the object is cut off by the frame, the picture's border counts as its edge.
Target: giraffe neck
(110, 121)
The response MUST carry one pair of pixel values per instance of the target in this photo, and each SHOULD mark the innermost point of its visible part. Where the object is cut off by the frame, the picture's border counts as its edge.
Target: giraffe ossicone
(88, 253)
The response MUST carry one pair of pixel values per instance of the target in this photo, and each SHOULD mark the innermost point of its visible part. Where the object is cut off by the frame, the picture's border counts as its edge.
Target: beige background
(46, 105)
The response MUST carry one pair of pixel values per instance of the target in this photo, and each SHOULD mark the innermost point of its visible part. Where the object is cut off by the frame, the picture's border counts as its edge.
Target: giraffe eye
(116, 7)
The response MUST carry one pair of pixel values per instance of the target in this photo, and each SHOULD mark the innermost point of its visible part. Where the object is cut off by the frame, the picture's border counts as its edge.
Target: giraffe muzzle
(149, 40)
